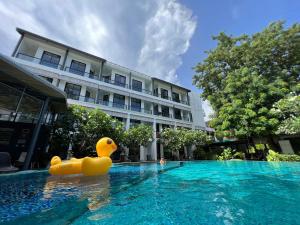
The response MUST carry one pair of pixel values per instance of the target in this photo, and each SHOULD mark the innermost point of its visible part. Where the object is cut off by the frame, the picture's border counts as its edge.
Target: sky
(162, 38)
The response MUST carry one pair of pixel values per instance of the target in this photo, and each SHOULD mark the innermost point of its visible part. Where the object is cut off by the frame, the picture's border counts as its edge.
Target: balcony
(108, 104)
(38, 61)
(93, 76)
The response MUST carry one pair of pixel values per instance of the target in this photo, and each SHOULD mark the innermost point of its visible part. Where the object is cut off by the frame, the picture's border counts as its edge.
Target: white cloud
(207, 110)
(149, 36)
(167, 36)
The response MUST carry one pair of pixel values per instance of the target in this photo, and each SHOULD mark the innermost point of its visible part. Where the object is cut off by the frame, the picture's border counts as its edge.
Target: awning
(10, 72)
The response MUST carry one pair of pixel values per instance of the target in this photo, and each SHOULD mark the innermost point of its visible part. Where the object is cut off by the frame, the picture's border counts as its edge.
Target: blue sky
(163, 38)
(234, 17)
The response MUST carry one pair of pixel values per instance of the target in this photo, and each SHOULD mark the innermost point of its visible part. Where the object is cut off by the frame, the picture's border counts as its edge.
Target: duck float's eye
(109, 141)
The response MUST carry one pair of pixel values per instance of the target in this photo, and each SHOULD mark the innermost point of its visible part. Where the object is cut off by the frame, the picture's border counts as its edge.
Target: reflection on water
(94, 189)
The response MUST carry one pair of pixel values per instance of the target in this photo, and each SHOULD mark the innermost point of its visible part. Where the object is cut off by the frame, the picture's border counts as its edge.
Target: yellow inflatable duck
(87, 166)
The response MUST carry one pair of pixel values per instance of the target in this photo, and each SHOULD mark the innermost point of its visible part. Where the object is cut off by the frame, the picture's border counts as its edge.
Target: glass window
(119, 101)
(50, 59)
(135, 104)
(164, 93)
(137, 85)
(165, 111)
(175, 97)
(155, 92)
(134, 122)
(120, 80)
(29, 109)
(73, 91)
(177, 114)
(77, 67)
(155, 110)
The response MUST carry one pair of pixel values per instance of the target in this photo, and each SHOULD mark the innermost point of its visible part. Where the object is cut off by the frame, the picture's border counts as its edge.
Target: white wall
(197, 110)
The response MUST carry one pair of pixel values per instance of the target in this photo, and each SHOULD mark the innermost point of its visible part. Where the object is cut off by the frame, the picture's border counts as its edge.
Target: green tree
(83, 127)
(135, 137)
(288, 112)
(244, 76)
(175, 140)
(172, 139)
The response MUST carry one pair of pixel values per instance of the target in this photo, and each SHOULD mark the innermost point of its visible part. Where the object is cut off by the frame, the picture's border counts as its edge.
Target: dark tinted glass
(73, 91)
(120, 80)
(50, 59)
(77, 67)
(135, 104)
(137, 85)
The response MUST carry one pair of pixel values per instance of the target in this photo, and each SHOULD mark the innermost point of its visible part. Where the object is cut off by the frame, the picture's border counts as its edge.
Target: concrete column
(83, 91)
(87, 70)
(55, 82)
(127, 122)
(16, 50)
(65, 59)
(142, 104)
(62, 84)
(161, 145)
(154, 142)
(111, 97)
(143, 153)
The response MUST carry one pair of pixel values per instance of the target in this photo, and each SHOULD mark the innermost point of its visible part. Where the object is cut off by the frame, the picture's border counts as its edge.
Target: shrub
(275, 157)
(226, 154)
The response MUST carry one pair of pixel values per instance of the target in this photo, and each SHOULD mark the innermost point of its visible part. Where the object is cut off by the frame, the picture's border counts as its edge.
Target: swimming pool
(205, 192)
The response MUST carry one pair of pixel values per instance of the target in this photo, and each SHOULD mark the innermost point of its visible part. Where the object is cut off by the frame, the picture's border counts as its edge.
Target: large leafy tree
(135, 137)
(83, 127)
(288, 110)
(244, 76)
(175, 139)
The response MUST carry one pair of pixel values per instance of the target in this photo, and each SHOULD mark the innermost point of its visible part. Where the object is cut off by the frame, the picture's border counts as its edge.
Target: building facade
(127, 95)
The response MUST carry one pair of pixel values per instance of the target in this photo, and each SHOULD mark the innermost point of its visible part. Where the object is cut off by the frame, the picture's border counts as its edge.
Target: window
(77, 67)
(119, 101)
(120, 80)
(177, 114)
(134, 122)
(165, 111)
(155, 110)
(155, 92)
(135, 104)
(106, 79)
(164, 93)
(175, 97)
(73, 91)
(105, 99)
(137, 85)
(50, 59)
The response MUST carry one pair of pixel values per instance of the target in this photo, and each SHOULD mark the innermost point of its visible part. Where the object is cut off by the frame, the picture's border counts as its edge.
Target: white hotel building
(129, 96)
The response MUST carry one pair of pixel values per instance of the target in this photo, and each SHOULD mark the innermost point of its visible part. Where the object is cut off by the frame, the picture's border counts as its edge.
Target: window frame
(175, 115)
(77, 69)
(166, 93)
(73, 91)
(117, 103)
(138, 106)
(118, 82)
(44, 61)
(137, 87)
(165, 111)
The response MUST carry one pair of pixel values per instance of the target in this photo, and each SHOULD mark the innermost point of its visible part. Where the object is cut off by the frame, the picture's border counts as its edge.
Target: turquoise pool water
(207, 192)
